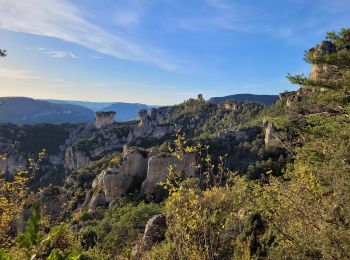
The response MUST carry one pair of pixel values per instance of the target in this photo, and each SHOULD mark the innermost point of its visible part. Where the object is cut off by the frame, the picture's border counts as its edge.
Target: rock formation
(75, 159)
(144, 117)
(155, 116)
(115, 182)
(95, 145)
(322, 71)
(269, 130)
(289, 97)
(158, 172)
(230, 105)
(104, 118)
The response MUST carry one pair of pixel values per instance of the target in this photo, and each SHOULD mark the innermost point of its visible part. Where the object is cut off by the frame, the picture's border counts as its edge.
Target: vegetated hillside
(22, 110)
(265, 100)
(200, 180)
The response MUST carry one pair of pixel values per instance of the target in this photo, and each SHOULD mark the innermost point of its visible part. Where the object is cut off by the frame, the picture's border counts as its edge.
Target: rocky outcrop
(289, 97)
(153, 234)
(269, 129)
(230, 105)
(104, 118)
(75, 159)
(155, 116)
(95, 145)
(149, 132)
(144, 117)
(115, 182)
(238, 106)
(158, 172)
(321, 71)
(20, 143)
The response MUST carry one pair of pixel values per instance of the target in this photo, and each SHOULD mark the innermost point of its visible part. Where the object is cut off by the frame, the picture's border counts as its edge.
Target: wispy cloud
(61, 19)
(129, 13)
(10, 73)
(57, 54)
(261, 18)
(62, 54)
(218, 15)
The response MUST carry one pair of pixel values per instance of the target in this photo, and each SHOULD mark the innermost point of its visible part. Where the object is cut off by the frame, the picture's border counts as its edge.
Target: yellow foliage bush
(201, 224)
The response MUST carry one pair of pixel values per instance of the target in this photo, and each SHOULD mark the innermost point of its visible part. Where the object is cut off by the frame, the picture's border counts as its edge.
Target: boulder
(153, 234)
(154, 231)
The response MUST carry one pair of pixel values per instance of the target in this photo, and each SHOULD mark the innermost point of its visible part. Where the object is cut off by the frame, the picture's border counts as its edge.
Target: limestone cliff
(114, 182)
(157, 172)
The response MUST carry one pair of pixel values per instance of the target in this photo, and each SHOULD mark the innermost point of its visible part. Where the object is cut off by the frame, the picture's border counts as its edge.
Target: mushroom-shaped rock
(104, 118)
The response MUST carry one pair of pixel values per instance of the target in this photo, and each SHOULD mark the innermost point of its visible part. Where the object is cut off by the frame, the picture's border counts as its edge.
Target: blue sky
(158, 51)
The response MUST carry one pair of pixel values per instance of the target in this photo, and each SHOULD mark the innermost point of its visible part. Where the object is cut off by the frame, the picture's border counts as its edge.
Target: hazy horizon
(158, 52)
(116, 101)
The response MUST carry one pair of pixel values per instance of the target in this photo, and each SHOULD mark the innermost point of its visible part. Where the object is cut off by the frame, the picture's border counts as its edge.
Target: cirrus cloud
(62, 20)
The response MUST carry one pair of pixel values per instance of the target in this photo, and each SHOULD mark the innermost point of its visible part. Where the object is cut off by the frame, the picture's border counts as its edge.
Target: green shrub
(120, 227)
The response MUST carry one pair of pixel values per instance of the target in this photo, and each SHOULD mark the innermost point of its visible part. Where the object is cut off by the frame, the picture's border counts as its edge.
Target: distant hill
(22, 110)
(94, 106)
(125, 111)
(265, 100)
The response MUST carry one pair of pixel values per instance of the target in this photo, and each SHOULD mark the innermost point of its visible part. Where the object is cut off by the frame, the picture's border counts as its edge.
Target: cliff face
(135, 169)
(75, 159)
(158, 171)
(114, 182)
(94, 145)
(20, 143)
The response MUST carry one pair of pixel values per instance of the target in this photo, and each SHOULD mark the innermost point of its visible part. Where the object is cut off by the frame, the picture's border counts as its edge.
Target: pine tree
(336, 59)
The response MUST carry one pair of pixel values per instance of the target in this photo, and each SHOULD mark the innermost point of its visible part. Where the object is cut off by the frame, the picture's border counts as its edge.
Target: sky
(158, 52)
